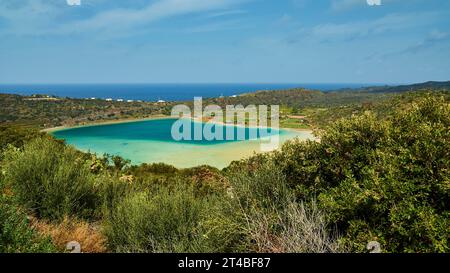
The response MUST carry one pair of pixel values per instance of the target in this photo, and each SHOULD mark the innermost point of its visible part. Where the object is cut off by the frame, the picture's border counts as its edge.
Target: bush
(380, 180)
(16, 235)
(155, 168)
(112, 191)
(262, 186)
(166, 219)
(16, 136)
(274, 221)
(51, 179)
(206, 180)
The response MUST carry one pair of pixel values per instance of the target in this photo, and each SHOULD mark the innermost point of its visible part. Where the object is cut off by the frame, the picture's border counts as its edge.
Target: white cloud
(25, 17)
(122, 19)
(438, 35)
(35, 17)
(73, 2)
(435, 37)
(389, 23)
(9, 9)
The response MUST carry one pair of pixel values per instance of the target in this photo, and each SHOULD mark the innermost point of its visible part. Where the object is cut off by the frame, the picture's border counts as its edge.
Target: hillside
(45, 112)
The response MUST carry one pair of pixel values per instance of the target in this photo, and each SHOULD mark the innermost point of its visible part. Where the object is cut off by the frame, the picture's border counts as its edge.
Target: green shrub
(16, 234)
(382, 180)
(225, 229)
(111, 191)
(166, 219)
(51, 179)
(206, 180)
(262, 186)
(155, 168)
(16, 135)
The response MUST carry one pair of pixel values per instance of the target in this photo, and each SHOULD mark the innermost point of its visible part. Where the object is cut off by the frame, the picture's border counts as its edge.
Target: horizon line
(206, 83)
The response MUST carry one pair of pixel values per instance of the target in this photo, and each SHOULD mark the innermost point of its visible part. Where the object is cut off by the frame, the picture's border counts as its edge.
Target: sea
(155, 92)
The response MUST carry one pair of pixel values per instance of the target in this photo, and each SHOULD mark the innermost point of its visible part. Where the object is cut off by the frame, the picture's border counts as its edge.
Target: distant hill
(299, 97)
(431, 85)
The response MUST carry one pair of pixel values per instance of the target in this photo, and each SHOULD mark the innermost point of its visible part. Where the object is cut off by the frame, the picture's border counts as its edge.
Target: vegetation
(381, 180)
(16, 135)
(16, 234)
(43, 112)
(51, 179)
(88, 235)
(379, 173)
(163, 220)
(274, 221)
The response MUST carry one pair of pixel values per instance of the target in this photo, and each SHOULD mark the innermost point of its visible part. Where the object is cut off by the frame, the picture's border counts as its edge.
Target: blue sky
(181, 41)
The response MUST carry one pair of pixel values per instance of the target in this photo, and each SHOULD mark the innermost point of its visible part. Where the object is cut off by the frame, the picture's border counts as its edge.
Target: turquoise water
(151, 141)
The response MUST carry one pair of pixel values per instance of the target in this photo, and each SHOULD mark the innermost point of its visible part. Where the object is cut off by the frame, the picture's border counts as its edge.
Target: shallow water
(150, 141)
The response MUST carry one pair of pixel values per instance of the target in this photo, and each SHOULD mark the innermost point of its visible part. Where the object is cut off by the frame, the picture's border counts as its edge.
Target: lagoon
(150, 141)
